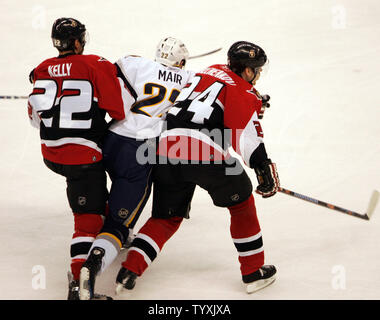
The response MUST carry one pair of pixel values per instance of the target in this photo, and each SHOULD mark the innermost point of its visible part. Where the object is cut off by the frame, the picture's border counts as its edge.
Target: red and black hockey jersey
(216, 110)
(70, 98)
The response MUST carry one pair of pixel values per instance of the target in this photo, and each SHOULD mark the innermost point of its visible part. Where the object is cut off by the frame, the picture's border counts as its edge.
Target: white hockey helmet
(172, 52)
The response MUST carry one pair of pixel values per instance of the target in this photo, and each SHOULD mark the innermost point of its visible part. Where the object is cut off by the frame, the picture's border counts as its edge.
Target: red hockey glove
(265, 104)
(268, 179)
(34, 118)
(30, 112)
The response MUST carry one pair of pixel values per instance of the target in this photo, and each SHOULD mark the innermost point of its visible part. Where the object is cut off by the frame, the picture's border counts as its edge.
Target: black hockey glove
(268, 179)
(265, 104)
(31, 76)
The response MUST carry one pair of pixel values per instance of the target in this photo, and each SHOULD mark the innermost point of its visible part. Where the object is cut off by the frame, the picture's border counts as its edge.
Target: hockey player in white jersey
(151, 87)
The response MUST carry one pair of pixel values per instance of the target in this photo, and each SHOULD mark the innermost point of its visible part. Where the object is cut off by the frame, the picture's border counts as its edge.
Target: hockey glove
(31, 77)
(34, 118)
(265, 104)
(268, 179)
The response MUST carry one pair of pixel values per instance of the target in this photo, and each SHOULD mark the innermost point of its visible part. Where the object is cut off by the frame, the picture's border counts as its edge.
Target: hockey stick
(192, 57)
(205, 54)
(366, 216)
(14, 97)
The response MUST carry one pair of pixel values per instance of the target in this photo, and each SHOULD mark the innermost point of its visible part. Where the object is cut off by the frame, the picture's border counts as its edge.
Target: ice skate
(74, 290)
(88, 274)
(125, 280)
(73, 287)
(260, 278)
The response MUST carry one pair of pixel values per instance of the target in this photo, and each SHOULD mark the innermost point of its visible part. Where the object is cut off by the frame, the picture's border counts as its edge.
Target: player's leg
(247, 238)
(233, 189)
(130, 199)
(171, 203)
(126, 161)
(130, 190)
(144, 249)
(87, 196)
(129, 193)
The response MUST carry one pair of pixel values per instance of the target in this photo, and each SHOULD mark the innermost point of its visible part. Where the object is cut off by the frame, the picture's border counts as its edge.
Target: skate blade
(101, 297)
(260, 284)
(122, 292)
(84, 284)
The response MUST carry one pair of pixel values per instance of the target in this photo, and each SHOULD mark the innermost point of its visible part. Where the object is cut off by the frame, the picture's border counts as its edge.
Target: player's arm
(125, 69)
(109, 89)
(33, 116)
(248, 142)
(256, 157)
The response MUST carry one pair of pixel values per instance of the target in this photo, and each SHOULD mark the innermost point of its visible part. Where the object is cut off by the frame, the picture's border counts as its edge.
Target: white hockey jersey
(151, 89)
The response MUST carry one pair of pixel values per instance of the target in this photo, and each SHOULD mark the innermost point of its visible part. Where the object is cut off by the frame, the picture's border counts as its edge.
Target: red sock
(149, 242)
(246, 235)
(86, 228)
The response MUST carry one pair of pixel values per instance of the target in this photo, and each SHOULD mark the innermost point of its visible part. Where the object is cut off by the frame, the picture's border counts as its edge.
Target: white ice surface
(322, 130)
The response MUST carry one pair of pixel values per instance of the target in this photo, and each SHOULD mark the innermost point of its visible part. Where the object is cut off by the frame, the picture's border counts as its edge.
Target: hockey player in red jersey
(70, 98)
(219, 108)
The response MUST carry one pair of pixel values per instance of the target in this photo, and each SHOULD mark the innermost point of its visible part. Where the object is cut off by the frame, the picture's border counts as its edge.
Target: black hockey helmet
(65, 31)
(244, 54)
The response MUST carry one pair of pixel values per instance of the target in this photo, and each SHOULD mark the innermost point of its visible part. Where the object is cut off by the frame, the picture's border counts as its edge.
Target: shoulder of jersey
(47, 61)
(87, 57)
(138, 61)
(132, 57)
(223, 74)
(93, 57)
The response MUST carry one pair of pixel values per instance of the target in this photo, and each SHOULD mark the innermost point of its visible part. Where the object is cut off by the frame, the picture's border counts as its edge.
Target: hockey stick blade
(205, 54)
(373, 203)
(366, 216)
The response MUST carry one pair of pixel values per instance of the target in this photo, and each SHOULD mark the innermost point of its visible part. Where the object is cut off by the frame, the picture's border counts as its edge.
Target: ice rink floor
(322, 130)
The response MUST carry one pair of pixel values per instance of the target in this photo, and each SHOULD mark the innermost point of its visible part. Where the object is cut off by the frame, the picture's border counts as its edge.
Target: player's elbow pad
(258, 156)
